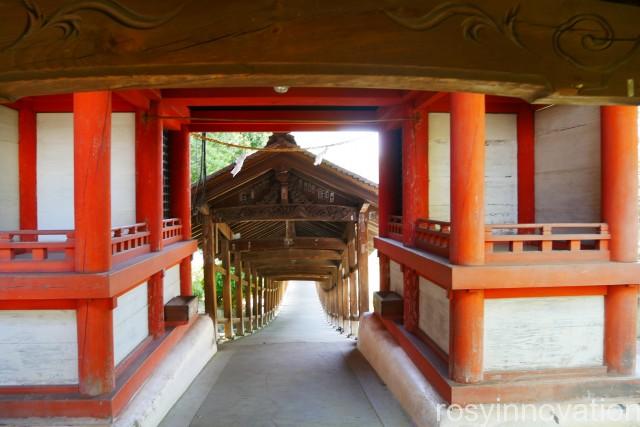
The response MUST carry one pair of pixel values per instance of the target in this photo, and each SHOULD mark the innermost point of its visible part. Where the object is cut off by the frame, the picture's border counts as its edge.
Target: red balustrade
(512, 243)
(129, 241)
(31, 251)
(171, 230)
(395, 227)
(433, 236)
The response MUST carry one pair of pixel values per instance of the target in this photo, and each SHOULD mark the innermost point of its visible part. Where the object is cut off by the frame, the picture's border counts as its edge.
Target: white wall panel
(434, 313)
(567, 164)
(501, 168)
(539, 333)
(130, 321)
(9, 189)
(171, 283)
(396, 277)
(38, 347)
(55, 171)
(123, 169)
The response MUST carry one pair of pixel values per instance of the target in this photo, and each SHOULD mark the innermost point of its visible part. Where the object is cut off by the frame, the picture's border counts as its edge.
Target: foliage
(219, 156)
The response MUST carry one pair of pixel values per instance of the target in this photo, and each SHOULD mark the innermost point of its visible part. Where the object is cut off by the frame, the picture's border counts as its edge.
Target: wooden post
(92, 180)
(248, 295)
(619, 149)
(239, 297)
(385, 272)
(363, 259)
(96, 366)
(261, 321)
(352, 248)
(467, 178)
(226, 289)
(619, 127)
(256, 318)
(466, 336)
(344, 277)
(149, 174)
(411, 299)
(526, 165)
(210, 298)
(155, 297)
(415, 176)
(27, 150)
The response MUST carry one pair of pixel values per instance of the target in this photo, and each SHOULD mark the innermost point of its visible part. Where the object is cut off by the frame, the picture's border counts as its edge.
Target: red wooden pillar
(149, 173)
(27, 146)
(619, 210)
(180, 173)
(96, 366)
(467, 178)
(526, 165)
(415, 178)
(92, 180)
(155, 300)
(411, 300)
(385, 196)
(467, 232)
(466, 336)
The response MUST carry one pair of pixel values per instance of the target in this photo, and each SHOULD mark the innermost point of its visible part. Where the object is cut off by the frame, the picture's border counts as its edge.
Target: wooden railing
(433, 236)
(509, 243)
(171, 230)
(22, 251)
(129, 241)
(395, 227)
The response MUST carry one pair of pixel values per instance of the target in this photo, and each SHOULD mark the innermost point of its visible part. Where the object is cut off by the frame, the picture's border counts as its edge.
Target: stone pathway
(298, 371)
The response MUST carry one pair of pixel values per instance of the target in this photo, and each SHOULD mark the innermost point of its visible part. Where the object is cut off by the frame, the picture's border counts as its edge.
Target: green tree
(219, 156)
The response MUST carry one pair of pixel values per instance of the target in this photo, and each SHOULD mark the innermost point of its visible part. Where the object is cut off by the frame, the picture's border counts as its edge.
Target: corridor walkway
(296, 372)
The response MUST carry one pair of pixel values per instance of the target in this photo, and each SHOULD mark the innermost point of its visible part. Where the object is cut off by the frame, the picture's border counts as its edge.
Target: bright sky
(360, 155)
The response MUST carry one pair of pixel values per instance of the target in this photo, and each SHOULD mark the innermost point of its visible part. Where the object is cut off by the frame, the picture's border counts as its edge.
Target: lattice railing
(129, 241)
(433, 236)
(171, 230)
(395, 227)
(546, 242)
(37, 251)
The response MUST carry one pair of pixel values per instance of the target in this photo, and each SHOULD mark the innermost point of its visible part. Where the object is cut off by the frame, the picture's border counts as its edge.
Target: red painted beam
(227, 97)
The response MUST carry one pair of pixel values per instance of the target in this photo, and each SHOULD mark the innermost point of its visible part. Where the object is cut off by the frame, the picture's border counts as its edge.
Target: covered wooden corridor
(297, 372)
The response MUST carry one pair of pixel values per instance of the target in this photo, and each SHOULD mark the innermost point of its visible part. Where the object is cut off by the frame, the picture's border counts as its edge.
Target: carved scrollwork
(67, 19)
(474, 20)
(586, 41)
(595, 35)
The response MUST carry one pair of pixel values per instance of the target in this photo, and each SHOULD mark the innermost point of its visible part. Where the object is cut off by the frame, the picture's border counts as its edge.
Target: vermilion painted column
(467, 178)
(526, 165)
(466, 336)
(149, 173)
(619, 210)
(96, 366)
(92, 180)
(27, 148)
(385, 198)
(467, 232)
(180, 178)
(155, 300)
(619, 125)
(415, 178)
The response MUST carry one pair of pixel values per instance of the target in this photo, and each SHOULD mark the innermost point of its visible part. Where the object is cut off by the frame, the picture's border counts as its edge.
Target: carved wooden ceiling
(544, 51)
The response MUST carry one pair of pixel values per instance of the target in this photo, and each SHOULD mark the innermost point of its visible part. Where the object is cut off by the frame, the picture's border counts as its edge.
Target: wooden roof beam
(302, 212)
(328, 243)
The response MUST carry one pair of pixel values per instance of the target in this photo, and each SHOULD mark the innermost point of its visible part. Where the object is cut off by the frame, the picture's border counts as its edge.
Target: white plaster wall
(123, 169)
(567, 164)
(539, 333)
(54, 165)
(130, 321)
(9, 190)
(55, 170)
(396, 277)
(38, 347)
(501, 168)
(434, 313)
(171, 283)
